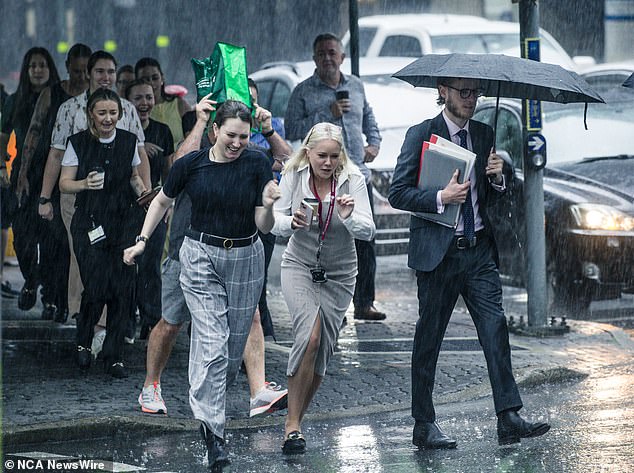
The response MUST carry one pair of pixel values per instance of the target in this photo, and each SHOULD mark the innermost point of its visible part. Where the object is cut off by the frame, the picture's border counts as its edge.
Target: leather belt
(221, 242)
(462, 243)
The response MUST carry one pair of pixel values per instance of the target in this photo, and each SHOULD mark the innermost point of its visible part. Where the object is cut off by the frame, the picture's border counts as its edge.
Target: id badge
(96, 235)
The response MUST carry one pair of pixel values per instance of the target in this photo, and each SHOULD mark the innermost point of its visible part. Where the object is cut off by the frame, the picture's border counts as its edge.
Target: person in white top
(71, 119)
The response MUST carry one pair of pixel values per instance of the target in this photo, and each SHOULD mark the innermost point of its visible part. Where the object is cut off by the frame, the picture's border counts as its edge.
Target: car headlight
(601, 217)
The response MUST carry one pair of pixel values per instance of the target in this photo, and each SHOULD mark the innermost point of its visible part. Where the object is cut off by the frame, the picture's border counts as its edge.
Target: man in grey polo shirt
(332, 96)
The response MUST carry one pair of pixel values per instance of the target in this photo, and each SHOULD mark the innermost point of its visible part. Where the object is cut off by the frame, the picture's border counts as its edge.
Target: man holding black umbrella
(457, 261)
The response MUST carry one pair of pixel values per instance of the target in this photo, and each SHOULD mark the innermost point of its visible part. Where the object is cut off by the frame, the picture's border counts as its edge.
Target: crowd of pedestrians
(105, 182)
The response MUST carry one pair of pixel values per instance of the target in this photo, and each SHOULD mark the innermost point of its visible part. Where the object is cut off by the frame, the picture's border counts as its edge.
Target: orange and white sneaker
(151, 400)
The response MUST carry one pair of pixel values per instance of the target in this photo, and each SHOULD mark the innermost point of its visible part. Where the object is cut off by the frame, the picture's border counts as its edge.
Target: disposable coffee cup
(101, 174)
(341, 94)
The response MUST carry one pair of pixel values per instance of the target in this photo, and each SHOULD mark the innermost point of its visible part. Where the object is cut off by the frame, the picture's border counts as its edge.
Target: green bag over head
(223, 75)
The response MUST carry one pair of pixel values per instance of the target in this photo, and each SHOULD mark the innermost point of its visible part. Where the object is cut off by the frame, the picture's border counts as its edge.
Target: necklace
(213, 155)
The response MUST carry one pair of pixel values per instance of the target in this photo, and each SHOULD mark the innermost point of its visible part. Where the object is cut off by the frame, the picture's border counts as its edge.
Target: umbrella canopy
(629, 82)
(502, 76)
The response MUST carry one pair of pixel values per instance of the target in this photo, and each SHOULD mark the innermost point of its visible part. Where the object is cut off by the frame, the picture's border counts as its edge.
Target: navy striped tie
(467, 207)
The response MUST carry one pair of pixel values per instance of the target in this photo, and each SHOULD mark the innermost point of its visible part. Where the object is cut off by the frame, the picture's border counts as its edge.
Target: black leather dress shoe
(368, 313)
(511, 427)
(217, 456)
(429, 435)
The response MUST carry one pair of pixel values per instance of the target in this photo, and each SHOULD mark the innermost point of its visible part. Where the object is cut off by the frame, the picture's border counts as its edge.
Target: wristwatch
(44, 200)
(142, 238)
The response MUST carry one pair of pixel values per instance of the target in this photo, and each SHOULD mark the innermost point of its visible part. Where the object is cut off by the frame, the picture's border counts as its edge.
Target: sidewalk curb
(97, 427)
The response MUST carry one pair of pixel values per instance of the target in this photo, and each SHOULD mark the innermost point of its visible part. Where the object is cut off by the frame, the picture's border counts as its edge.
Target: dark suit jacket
(429, 241)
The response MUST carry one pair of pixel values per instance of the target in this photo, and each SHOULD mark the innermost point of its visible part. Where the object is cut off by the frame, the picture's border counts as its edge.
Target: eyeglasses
(466, 93)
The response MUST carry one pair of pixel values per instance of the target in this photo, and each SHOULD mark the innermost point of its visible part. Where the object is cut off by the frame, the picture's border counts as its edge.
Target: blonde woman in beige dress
(319, 265)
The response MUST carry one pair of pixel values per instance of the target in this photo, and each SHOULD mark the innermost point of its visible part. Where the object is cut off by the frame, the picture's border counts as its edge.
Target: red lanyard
(324, 227)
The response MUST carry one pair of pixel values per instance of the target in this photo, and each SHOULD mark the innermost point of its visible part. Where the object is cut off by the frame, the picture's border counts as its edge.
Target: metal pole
(536, 284)
(353, 9)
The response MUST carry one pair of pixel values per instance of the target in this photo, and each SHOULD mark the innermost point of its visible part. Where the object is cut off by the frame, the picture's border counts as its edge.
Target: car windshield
(500, 43)
(609, 133)
(473, 43)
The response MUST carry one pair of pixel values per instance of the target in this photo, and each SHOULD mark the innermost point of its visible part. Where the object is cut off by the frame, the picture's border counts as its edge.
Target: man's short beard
(450, 105)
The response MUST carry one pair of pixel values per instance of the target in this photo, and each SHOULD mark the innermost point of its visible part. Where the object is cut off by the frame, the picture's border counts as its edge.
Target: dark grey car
(588, 197)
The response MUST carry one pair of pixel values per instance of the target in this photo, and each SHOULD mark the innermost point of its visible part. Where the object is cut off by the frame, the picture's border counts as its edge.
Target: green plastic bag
(223, 74)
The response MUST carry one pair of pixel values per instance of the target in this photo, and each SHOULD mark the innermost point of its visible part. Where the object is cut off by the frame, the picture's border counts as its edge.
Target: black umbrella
(629, 82)
(502, 76)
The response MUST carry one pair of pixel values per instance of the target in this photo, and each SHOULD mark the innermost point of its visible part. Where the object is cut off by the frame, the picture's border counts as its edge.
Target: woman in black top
(222, 259)
(159, 146)
(100, 166)
(38, 71)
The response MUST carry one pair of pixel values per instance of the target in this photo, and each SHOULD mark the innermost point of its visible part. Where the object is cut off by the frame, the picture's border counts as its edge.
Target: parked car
(608, 76)
(396, 105)
(588, 198)
(414, 35)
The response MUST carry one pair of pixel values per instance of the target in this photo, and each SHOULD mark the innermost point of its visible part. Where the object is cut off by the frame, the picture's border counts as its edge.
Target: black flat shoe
(27, 298)
(61, 316)
(116, 370)
(430, 435)
(7, 291)
(217, 456)
(511, 427)
(294, 443)
(48, 312)
(84, 357)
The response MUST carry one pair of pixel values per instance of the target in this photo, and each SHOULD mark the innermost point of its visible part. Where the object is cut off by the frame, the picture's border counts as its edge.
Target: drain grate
(349, 345)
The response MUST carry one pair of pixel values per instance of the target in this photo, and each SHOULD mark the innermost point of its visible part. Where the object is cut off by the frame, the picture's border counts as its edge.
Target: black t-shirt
(159, 134)
(223, 195)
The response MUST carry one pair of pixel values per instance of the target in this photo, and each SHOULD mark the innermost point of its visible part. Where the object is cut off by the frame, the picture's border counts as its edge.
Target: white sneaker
(270, 398)
(151, 401)
(97, 342)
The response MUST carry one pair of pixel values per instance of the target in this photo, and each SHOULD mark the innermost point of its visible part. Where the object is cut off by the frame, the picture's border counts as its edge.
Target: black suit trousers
(473, 274)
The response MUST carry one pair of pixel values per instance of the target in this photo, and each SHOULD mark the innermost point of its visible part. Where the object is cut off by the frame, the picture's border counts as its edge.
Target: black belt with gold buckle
(221, 242)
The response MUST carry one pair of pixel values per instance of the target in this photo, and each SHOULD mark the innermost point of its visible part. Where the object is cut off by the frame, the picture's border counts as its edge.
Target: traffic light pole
(536, 280)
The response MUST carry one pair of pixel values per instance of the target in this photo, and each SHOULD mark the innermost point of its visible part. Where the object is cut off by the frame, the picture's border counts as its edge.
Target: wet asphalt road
(592, 429)
(592, 419)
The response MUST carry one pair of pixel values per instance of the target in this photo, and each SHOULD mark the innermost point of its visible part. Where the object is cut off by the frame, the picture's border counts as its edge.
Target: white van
(413, 35)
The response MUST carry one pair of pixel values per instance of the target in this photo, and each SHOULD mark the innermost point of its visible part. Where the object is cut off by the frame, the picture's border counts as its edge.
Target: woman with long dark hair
(48, 237)
(100, 166)
(168, 109)
(37, 72)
